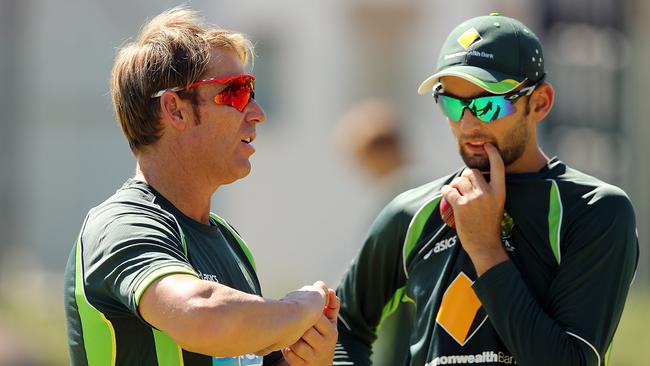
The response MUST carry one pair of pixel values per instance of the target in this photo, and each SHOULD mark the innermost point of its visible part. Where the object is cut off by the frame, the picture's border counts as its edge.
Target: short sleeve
(124, 250)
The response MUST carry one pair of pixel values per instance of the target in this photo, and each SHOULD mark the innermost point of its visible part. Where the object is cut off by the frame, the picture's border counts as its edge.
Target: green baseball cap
(494, 52)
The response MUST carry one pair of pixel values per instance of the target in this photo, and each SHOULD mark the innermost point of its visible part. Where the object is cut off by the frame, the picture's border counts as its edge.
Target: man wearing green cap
(536, 263)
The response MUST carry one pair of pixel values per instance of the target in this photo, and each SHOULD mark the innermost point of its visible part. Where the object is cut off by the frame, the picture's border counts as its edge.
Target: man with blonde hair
(155, 278)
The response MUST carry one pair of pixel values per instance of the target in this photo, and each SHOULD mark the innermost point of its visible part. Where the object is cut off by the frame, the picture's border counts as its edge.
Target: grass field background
(632, 340)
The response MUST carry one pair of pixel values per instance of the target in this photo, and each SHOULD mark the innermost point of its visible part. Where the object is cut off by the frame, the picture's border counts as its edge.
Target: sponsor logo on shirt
(508, 247)
(209, 277)
(484, 357)
(461, 314)
(507, 224)
(245, 360)
(442, 245)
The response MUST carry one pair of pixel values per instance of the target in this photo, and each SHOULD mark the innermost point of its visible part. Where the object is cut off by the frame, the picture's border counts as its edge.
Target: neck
(169, 176)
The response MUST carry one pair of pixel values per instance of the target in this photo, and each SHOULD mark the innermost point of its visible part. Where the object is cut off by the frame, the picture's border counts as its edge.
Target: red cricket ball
(447, 213)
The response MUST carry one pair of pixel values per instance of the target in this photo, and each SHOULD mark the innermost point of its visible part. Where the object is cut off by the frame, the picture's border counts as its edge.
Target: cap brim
(491, 81)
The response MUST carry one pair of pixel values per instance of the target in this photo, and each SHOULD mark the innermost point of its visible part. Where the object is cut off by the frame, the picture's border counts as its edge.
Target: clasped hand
(316, 346)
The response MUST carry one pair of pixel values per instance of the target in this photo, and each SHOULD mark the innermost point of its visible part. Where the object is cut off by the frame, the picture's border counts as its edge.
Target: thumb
(323, 290)
(331, 311)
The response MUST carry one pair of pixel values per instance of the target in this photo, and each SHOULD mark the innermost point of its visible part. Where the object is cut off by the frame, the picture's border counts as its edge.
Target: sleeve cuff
(495, 279)
(157, 273)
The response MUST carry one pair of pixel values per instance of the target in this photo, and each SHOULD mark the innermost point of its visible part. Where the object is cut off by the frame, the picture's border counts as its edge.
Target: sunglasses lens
(451, 107)
(237, 94)
(488, 109)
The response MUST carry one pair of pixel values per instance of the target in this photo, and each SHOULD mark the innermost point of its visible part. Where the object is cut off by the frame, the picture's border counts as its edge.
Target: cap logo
(468, 38)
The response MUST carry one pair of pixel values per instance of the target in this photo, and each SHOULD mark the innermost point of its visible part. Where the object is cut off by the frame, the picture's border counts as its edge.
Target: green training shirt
(125, 244)
(573, 251)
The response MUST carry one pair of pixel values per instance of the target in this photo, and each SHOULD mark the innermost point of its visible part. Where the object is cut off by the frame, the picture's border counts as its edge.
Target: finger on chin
(497, 169)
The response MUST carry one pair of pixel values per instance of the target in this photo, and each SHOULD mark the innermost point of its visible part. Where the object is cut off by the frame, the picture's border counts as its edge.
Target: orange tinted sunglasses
(239, 92)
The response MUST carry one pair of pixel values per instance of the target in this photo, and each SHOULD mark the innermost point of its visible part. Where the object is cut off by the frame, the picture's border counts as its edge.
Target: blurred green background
(61, 150)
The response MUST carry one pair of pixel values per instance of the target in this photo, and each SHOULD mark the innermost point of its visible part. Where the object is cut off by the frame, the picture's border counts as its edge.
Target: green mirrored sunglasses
(486, 108)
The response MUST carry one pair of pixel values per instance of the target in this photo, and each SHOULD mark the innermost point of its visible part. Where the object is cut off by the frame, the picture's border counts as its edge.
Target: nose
(469, 123)
(254, 112)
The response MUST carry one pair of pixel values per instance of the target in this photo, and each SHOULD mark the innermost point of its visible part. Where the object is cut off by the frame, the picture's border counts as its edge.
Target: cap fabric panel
(480, 46)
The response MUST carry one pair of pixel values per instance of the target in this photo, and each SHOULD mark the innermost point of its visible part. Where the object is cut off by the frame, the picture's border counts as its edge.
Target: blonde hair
(172, 50)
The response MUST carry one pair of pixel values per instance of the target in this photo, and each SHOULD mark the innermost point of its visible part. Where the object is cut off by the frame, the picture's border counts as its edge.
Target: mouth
(248, 139)
(476, 146)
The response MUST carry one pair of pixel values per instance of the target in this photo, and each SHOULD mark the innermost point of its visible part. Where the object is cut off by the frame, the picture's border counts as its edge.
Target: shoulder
(596, 214)
(410, 201)
(591, 194)
(401, 210)
(131, 212)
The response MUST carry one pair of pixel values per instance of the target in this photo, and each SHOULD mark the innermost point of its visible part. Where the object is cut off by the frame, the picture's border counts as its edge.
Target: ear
(541, 101)
(173, 110)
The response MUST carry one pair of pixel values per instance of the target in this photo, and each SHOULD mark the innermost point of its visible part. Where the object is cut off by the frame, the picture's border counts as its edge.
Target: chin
(482, 163)
(243, 170)
(236, 174)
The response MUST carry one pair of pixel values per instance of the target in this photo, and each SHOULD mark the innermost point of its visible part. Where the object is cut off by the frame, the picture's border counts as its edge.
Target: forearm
(209, 318)
(232, 323)
(533, 337)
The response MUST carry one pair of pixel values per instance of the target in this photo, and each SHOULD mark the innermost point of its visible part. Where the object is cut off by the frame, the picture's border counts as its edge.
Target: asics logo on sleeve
(209, 277)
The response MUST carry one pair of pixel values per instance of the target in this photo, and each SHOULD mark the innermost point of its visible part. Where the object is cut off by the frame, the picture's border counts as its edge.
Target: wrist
(487, 257)
(305, 311)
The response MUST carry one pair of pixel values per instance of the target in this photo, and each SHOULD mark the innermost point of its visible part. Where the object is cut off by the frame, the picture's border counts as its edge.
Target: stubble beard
(511, 149)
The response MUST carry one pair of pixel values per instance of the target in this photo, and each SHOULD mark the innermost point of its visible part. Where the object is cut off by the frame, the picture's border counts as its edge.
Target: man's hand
(314, 297)
(312, 300)
(316, 346)
(478, 210)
